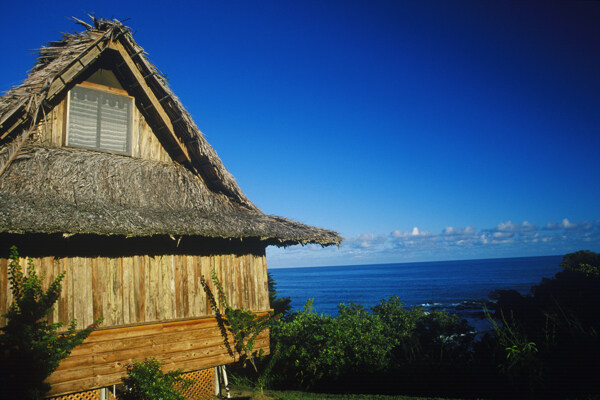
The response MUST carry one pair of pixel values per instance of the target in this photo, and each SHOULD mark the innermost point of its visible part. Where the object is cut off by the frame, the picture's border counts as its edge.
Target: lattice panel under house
(87, 395)
(203, 386)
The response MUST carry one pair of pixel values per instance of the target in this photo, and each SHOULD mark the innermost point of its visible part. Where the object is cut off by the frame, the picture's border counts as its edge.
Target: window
(99, 119)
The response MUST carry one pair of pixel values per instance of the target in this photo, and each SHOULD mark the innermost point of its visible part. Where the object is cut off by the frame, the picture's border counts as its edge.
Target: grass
(241, 393)
(320, 396)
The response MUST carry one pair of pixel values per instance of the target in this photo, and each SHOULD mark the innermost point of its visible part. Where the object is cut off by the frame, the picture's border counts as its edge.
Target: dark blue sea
(455, 286)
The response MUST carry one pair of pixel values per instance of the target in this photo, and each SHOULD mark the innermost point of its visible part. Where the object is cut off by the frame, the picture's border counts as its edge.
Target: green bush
(146, 381)
(547, 342)
(320, 351)
(31, 348)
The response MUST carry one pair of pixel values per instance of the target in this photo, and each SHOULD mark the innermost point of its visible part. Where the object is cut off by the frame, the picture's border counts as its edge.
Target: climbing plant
(243, 326)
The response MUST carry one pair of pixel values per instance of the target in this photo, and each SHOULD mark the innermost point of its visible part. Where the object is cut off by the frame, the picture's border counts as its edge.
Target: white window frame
(114, 92)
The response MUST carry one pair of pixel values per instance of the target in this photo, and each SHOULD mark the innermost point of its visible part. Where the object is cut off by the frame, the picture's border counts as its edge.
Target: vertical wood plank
(135, 146)
(186, 288)
(137, 279)
(54, 135)
(157, 293)
(126, 289)
(75, 268)
(247, 287)
(118, 294)
(102, 287)
(193, 296)
(152, 288)
(144, 142)
(236, 272)
(4, 288)
(63, 123)
(265, 283)
(89, 294)
(154, 146)
(254, 271)
(146, 286)
(171, 262)
(60, 266)
(61, 118)
(51, 270)
(212, 267)
(69, 282)
(202, 266)
(163, 291)
(107, 299)
(96, 290)
(177, 271)
(218, 266)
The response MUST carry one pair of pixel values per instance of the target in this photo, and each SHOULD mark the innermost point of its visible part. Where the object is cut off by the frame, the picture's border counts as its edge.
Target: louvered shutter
(83, 117)
(99, 120)
(114, 122)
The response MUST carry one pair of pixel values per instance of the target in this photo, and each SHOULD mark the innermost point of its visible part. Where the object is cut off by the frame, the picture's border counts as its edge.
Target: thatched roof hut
(51, 189)
(105, 177)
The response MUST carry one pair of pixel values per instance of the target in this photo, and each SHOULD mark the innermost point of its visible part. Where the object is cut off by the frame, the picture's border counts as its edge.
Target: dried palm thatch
(76, 191)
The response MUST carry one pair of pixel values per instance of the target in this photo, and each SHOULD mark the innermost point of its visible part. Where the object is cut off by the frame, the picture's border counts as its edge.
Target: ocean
(454, 286)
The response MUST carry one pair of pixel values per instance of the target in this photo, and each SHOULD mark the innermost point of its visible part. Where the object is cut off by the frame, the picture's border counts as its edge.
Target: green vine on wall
(220, 320)
(243, 325)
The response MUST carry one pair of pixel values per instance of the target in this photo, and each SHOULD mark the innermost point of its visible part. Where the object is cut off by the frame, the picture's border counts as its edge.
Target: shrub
(318, 348)
(31, 348)
(146, 381)
(362, 348)
(548, 340)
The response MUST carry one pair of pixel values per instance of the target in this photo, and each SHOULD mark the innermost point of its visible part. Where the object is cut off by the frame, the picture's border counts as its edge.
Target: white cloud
(518, 235)
(566, 224)
(504, 240)
(526, 226)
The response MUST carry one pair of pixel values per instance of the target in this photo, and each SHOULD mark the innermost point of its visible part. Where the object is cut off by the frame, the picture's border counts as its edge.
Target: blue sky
(419, 130)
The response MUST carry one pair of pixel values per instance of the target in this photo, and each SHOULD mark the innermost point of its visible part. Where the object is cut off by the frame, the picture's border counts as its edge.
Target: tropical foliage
(323, 352)
(145, 380)
(31, 348)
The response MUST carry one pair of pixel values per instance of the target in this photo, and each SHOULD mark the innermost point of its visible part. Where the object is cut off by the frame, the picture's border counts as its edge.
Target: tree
(574, 261)
(280, 305)
(552, 334)
(31, 348)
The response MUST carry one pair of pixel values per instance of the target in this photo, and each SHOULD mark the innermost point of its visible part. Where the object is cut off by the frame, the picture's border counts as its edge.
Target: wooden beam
(76, 66)
(164, 118)
(13, 127)
(62, 79)
(102, 358)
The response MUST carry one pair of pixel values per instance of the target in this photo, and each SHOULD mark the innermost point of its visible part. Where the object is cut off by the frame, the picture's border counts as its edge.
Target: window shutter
(83, 117)
(114, 122)
(98, 119)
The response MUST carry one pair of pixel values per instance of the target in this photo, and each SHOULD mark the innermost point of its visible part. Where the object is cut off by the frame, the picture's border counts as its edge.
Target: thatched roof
(76, 191)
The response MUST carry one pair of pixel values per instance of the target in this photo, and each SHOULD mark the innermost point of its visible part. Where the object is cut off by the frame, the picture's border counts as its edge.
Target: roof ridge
(58, 56)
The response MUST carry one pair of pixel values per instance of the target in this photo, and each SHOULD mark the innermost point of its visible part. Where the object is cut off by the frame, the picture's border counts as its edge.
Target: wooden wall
(136, 289)
(144, 144)
(101, 360)
(149, 292)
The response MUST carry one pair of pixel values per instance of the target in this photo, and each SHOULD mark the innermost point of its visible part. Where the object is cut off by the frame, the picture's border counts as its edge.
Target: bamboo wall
(141, 288)
(144, 143)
